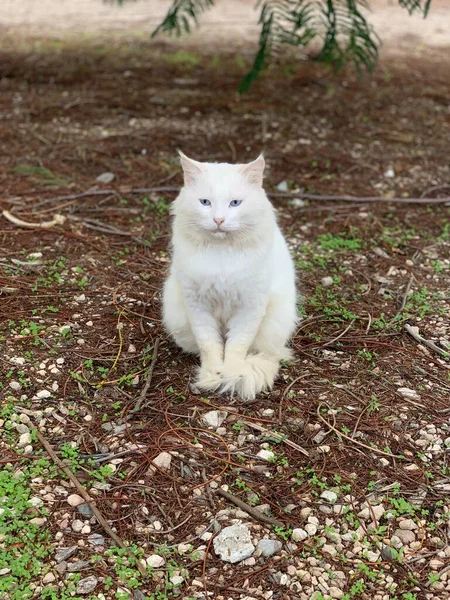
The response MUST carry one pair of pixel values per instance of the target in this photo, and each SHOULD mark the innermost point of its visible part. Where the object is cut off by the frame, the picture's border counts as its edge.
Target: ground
(345, 462)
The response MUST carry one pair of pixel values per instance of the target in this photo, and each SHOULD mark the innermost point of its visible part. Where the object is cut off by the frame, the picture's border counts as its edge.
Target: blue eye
(235, 202)
(205, 202)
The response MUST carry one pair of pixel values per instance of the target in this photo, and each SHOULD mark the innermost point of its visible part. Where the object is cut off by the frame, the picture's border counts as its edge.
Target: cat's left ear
(254, 171)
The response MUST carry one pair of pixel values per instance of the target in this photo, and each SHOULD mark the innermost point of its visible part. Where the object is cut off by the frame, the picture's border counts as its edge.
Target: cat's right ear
(191, 168)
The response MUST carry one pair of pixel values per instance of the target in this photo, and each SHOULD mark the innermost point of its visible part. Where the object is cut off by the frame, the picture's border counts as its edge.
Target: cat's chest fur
(221, 280)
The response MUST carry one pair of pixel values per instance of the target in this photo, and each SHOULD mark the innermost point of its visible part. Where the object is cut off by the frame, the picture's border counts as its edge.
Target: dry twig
(57, 220)
(137, 407)
(277, 436)
(253, 512)
(98, 515)
(347, 437)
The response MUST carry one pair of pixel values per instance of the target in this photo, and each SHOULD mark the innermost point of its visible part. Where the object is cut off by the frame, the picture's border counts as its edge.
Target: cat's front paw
(209, 379)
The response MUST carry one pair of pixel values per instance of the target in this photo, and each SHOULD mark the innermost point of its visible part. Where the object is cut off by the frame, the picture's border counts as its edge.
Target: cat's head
(222, 201)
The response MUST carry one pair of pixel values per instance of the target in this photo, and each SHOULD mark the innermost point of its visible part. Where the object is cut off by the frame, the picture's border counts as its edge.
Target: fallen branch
(146, 387)
(296, 194)
(253, 512)
(278, 436)
(57, 220)
(350, 439)
(319, 197)
(98, 515)
(413, 331)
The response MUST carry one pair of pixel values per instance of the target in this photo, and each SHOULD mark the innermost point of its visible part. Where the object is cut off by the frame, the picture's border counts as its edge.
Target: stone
(311, 528)
(65, 553)
(407, 524)
(79, 565)
(405, 536)
(298, 535)
(87, 585)
(75, 500)
(162, 461)
(61, 567)
(42, 394)
(335, 592)
(215, 418)
(328, 549)
(269, 547)
(389, 173)
(327, 281)
(282, 186)
(24, 440)
(77, 525)
(86, 529)
(155, 561)
(408, 393)
(329, 496)
(96, 539)
(266, 454)
(15, 386)
(106, 177)
(49, 578)
(85, 510)
(234, 543)
(176, 580)
(386, 553)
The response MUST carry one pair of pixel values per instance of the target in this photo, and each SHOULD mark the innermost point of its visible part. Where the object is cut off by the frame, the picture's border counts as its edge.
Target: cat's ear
(254, 171)
(191, 168)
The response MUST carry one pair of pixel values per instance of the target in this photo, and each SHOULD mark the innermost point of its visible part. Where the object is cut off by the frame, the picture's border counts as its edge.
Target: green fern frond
(416, 5)
(341, 25)
(180, 16)
(347, 36)
(282, 22)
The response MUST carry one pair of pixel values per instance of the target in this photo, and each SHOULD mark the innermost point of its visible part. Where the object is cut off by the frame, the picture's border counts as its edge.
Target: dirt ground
(353, 488)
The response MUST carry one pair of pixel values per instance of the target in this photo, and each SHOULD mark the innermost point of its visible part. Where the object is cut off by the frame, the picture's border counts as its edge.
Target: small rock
(38, 521)
(138, 595)
(298, 535)
(405, 535)
(65, 553)
(61, 567)
(386, 553)
(86, 529)
(335, 592)
(269, 547)
(77, 525)
(234, 543)
(298, 203)
(49, 578)
(162, 461)
(24, 439)
(85, 510)
(79, 565)
(176, 580)
(311, 529)
(408, 393)
(87, 585)
(155, 561)
(15, 386)
(327, 281)
(389, 173)
(96, 539)
(329, 496)
(75, 500)
(5, 571)
(331, 550)
(266, 454)
(42, 394)
(106, 177)
(282, 186)
(215, 418)
(407, 524)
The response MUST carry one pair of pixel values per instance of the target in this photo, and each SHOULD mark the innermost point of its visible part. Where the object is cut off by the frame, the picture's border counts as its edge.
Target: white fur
(230, 296)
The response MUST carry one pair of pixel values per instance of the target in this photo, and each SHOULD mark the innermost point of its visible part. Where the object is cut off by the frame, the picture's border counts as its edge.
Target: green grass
(42, 174)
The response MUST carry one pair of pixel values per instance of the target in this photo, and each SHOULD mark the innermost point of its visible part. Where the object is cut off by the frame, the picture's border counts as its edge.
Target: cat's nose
(219, 220)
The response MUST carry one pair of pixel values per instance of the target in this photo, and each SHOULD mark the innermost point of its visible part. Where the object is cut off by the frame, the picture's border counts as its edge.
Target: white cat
(230, 296)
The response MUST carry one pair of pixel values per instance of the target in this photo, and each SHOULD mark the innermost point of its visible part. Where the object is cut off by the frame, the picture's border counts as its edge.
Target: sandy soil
(235, 18)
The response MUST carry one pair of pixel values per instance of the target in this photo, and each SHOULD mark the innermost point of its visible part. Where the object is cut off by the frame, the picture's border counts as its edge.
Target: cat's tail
(249, 377)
